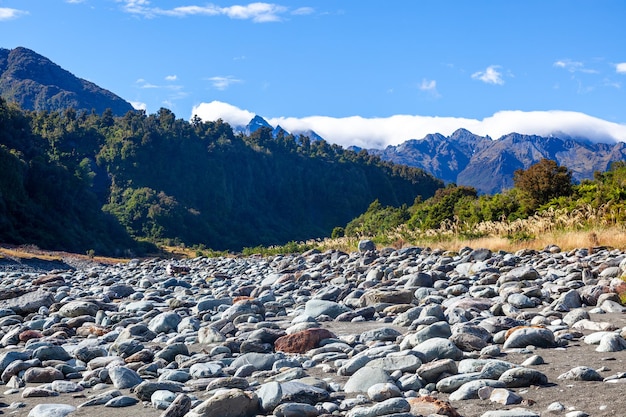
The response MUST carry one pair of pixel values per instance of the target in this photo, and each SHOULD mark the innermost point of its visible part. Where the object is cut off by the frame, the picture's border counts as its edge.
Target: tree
(542, 182)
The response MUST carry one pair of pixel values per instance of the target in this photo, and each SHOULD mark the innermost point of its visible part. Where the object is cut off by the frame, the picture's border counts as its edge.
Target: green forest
(80, 181)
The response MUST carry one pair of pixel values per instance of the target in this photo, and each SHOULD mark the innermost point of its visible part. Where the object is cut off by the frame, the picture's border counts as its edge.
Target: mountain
(488, 165)
(258, 122)
(36, 83)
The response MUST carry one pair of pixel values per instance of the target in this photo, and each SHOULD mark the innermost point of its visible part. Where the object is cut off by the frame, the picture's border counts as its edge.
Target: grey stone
(51, 410)
(364, 378)
(123, 377)
(438, 348)
(229, 403)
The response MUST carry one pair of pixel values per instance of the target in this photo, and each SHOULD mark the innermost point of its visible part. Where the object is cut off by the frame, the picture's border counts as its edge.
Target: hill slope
(36, 83)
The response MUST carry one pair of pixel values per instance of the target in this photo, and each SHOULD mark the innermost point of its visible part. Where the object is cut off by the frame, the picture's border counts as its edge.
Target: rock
(364, 378)
(42, 375)
(303, 341)
(366, 246)
(390, 406)
(427, 405)
(79, 308)
(384, 391)
(316, 308)
(296, 410)
(228, 403)
(123, 377)
(581, 373)
(144, 390)
(28, 303)
(525, 336)
(51, 410)
(179, 407)
(165, 322)
(523, 377)
(405, 363)
(121, 401)
(438, 348)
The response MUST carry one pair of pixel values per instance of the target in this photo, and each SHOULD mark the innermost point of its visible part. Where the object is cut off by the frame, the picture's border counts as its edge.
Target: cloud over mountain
(393, 130)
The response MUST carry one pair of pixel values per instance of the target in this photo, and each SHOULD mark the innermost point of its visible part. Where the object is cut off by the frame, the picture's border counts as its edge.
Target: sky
(360, 72)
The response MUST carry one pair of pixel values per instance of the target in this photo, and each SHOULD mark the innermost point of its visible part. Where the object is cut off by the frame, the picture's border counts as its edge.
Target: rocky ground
(410, 332)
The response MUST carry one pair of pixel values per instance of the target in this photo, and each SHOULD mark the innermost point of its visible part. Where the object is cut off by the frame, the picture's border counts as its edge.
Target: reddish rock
(42, 375)
(26, 335)
(427, 405)
(303, 341)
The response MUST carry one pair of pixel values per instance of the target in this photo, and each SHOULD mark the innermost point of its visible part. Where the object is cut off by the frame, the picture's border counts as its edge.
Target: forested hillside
(69, 180)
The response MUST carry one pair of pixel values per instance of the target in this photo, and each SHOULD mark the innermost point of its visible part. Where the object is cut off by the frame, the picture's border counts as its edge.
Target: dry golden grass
(32, 252)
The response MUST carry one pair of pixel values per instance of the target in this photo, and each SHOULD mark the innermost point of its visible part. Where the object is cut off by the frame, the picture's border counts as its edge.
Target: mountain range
(36, 83)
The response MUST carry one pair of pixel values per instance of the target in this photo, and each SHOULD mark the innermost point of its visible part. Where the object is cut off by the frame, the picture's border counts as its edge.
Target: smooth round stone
(260, 361)
(523, 377)
(384, 391)
(42, 375)
(121, 401)
(65, 386)
(47, 353)
(78, 308)
(204, 370)
(535, 336)
(317, 308)
(296, 410)
(390, 406)
(405, 363)
(439, 348)
(175, 375)
(165, 322)
(520, 301)
(581, 373)
(364, 378)
(611, 343)
(161, 399)
(51, 410)
(123, 377)
(270, 395)
(469, 390)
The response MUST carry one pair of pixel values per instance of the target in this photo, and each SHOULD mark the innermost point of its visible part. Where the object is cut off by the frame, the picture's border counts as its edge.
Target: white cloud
(171, 78)
(74, 1)
(138, 105)
(621, 68)
(429, 86)
(303, 11)
(393, 130)
(219, 110)
(574, 66)
(222, 83)
(491, 75)
(8, 14)
(257, 12)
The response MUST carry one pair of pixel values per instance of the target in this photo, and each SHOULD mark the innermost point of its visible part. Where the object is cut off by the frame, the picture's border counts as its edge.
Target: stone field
(377, 332)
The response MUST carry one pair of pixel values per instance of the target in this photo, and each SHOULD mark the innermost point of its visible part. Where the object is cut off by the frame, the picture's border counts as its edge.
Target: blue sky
(368, 73)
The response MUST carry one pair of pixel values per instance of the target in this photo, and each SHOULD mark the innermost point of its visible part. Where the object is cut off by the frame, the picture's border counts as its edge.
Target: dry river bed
(410, 332)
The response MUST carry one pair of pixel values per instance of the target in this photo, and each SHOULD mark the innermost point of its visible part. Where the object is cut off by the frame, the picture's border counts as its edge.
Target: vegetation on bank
(100, 184)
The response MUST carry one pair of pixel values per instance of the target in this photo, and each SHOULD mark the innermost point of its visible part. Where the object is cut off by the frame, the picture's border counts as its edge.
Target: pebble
(245, 336)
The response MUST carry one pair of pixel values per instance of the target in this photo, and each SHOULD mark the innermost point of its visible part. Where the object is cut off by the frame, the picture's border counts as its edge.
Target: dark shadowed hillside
(36, 83)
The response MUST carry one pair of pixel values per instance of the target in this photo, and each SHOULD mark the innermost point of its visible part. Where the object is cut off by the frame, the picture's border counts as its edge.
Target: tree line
(81, 181)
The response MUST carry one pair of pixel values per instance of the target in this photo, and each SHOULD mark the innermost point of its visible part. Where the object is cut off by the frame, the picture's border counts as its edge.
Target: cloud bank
(381, 132)
(258, 12)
